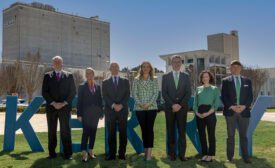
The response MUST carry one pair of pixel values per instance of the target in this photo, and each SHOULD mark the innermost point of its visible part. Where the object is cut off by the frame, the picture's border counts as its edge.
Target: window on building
(190, 60)
(211, 59)
(223, 61)
(217, 60)
(182, 61)
(200, 64)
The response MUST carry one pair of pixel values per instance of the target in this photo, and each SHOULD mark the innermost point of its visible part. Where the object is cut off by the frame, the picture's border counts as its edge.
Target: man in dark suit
(176, 92)
(116, 94)
(237, 97)
(58, 90)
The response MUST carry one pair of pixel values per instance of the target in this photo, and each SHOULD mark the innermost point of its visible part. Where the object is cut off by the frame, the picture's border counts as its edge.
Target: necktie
(116, 85)
(58, 77)
(238, 90)
(92, 88)
(176, 80)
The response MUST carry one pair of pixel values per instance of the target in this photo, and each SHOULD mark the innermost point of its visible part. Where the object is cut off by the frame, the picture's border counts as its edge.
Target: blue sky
(144, 29)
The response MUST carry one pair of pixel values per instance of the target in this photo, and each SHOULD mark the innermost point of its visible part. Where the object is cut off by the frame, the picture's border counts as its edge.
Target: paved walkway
(39, 122)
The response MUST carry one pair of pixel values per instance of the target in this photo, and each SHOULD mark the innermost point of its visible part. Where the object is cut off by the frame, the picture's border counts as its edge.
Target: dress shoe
(229, 160)
(122, 157)
(93, 156)
(69, 158)
(183, 158)
(109, 157)
(172, 157)
(51, 157)
(247, 161)
(84, 160)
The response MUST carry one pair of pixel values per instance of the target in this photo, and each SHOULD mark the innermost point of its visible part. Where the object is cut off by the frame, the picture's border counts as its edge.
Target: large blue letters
(11, 125)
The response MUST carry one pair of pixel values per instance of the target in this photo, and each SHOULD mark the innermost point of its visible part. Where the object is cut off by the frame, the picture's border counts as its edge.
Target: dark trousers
(64, 116)
(89, 133)
(113, 118)
(180, 117)
(242, 123)
(146, 120)
(208, 122)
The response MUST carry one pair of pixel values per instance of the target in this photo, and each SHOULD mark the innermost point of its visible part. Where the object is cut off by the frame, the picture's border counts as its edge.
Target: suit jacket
(229, 97)
(146, 92)
(58, 91)
(89, 102)
(119, 96)
(171, 95)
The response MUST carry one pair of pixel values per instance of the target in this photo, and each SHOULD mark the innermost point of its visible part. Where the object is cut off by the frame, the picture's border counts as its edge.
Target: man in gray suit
(116, 94)
(176, 92)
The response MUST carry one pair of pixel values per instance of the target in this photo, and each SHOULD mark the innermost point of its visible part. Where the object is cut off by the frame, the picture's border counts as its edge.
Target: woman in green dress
(206, 102)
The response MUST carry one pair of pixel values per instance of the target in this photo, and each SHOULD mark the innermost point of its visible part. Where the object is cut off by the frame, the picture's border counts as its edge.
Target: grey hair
(57, 57)
(175, 57)
(113, 63)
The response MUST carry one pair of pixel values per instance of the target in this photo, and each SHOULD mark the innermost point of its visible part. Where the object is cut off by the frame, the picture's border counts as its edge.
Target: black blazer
(229, 97)
(171, 95)
(111, 96)
(89, 102)
(58, 91)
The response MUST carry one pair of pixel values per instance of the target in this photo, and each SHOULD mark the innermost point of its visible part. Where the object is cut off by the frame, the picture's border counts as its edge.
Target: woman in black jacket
(89, 111)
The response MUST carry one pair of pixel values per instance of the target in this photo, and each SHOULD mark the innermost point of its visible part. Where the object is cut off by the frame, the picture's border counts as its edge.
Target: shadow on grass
(136, 161)
(17, 156)
(256, 163)
(59, 161)
(192, 162)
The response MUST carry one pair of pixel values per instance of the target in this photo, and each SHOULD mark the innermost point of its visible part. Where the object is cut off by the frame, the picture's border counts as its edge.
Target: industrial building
(41, 28)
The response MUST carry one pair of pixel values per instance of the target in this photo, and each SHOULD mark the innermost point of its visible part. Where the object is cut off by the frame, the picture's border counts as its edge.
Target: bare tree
(78, 78)
(9, 82)
(2, 82)
(193, 78)
(30, 75)
(258, 78)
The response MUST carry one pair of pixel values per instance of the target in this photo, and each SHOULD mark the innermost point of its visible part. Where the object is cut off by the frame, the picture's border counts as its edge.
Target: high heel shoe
(93, 156)
(84, 160)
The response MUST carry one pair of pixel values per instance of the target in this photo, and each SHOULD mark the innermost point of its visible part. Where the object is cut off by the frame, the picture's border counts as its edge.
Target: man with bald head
(116, 93)
(58, 90)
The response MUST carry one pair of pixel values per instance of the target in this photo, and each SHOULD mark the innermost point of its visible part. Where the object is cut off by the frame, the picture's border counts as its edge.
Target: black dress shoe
(183, 158)
(69, 158)
(173, 157)
(110, 157)
(122, 157)
(51, 157)
(247, 161)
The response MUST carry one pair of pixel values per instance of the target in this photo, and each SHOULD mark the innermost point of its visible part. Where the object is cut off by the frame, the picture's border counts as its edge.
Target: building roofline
(28, 5)
(202, 50)
(218, 34)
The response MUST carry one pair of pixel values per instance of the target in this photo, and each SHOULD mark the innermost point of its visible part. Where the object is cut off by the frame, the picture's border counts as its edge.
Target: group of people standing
(59, 90)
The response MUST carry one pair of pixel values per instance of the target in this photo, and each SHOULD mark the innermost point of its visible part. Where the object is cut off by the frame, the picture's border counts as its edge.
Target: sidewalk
(39, 122)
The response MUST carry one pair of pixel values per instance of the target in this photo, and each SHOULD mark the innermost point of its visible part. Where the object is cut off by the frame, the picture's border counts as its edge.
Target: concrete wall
(225, 43)
(80, 41)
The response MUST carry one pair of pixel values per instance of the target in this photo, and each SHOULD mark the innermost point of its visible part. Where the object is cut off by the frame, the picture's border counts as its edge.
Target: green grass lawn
(270, 110)
(263, 151)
